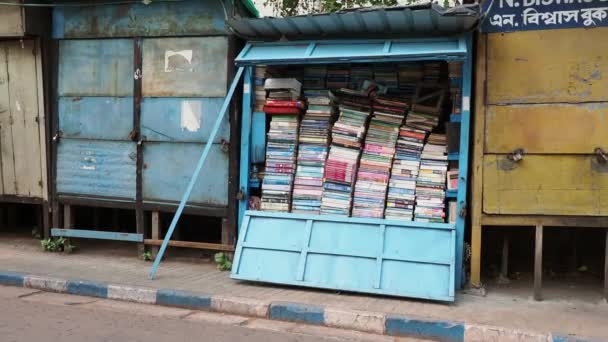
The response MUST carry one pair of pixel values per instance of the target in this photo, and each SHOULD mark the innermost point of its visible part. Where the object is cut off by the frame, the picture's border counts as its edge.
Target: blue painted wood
(96, 167)
(451, 193)
(96, 67)
(96, 234)
(133, 20)
(416, 259)
(195, 174)
(463, 161)
(515, 15)
(168, 168)
(105, 118)
(258, 137)
(246, 132)
(185, 67)
(453, 156)
(182, 119)
(340, 51)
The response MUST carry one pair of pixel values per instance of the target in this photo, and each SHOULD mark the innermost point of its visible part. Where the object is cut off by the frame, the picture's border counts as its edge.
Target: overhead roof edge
(426, 19)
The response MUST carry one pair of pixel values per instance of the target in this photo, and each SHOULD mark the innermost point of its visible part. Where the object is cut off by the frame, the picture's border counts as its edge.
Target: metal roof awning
(352, 51)
(418, 20)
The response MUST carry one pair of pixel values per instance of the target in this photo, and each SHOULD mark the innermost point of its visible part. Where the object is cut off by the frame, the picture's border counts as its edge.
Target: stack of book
(386, 75)
(431, 182)
(312, 153)
(341, 165)
(338, 76)
(432, 72)
(314, 77)
(259, 92)
(283, 96)
(359, 74)
(402, 185)
(375, 165)
(422, 121)
(455, 74)
(410, 74)
(281, 152)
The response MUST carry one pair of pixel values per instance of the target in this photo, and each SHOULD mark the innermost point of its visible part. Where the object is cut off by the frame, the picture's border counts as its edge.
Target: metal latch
(225, 146)
(516, 155)
(602, 158)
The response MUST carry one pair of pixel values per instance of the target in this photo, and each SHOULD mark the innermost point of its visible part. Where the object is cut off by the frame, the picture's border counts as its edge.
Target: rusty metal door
(22, 132)
(96, 156)
(183, 87)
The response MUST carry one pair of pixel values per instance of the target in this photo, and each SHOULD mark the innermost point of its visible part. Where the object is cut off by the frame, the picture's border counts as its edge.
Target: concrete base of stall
(505, 313)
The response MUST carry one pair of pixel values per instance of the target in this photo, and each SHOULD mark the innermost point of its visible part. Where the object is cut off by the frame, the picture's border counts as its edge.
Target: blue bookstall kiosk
(379, 256)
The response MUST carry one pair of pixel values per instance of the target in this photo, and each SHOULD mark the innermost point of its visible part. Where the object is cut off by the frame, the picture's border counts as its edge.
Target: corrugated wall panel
(94, 167)
(96, 67)
(141, 20)
(168, 168)
(182, 119)
(185, 67)
(106, 118)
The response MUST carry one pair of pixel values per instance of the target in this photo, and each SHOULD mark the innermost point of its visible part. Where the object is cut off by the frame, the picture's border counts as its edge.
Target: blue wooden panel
(409, 259)
(131, 20)
(182, 119)
(106, 118)
(186, 67)
(258, 137)
(96, 167)
(96, 67)
(351, 51)
(168, 167)
(97, 234)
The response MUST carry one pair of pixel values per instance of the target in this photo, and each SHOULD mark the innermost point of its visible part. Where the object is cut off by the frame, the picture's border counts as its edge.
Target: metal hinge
(463, 209)
(240, 195)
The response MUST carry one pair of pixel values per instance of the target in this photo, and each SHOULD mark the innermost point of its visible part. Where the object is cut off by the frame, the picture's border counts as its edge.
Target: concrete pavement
(30, 315)
(120, 275)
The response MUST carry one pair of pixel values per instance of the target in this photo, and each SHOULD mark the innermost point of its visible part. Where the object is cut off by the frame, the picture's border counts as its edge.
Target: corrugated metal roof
(417, 20)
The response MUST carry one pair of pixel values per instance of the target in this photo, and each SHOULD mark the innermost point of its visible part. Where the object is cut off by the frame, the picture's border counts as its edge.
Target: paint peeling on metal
(138, 20)
(178, 61)
(191, 115)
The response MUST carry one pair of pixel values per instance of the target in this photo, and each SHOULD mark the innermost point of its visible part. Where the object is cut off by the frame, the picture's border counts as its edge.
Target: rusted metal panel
(185, 67)
(96, 67)
(23, 150)
(547, 128)
(545, 185)
(168, 168)
(548, 66)
(11, 20)
(182, 119)
(96, 168)
(132, 20)
(106, 118)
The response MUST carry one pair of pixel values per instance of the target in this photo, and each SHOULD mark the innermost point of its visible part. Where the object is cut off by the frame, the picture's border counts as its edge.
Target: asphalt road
(30, 315)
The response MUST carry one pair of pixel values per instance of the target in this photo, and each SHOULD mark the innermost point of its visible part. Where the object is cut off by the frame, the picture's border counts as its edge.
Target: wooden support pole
(68, 219)
(12, 216)
(504, 265)
(606, 268)
(478, 116)
(538, 262)
(40, 220)
(96, 218)
(2, 217)
(115, 220)
(155, 232)
(46, 220)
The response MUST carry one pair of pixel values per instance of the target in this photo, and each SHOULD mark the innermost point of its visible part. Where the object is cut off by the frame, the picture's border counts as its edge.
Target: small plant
(36, 233)
(147, 256)
(57, 245)
(222, 261)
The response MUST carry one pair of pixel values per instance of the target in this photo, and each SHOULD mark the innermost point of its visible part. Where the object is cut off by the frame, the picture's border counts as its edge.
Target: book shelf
(300, 249)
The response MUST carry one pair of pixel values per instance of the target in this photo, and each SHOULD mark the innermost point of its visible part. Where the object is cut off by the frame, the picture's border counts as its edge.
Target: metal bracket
(240, 195)
(517, 155)
(602, 158)
(463, 209)
(225, 146)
